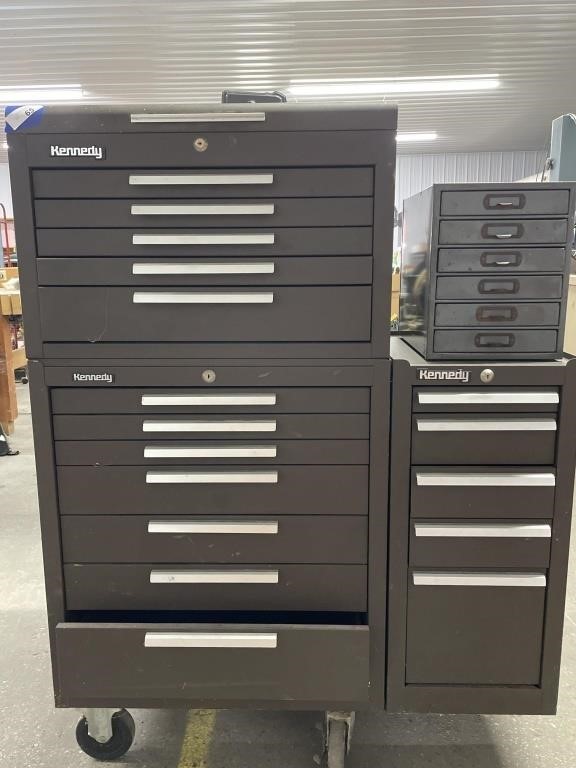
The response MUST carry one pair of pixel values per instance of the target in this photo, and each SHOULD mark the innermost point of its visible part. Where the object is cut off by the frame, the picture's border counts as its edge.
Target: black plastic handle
(502, 340)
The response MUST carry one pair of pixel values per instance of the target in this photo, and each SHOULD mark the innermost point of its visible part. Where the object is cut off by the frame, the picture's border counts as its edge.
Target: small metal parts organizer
(485, 270)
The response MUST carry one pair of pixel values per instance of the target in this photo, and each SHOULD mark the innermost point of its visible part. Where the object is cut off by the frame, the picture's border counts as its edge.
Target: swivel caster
(339, 726)
(105, 734)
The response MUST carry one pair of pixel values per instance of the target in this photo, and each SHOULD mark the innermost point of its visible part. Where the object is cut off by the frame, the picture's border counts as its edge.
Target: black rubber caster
(123, 730)
(336, 747)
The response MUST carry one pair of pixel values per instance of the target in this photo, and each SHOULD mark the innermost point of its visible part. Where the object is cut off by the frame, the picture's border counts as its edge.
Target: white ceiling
(187, 50)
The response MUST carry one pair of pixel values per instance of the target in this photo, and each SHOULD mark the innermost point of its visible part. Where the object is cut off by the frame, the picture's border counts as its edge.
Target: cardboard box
(10, 303)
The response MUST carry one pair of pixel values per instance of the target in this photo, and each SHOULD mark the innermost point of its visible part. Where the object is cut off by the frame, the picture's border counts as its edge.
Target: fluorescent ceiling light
(40, 93)
(396, 86)
(432, 136)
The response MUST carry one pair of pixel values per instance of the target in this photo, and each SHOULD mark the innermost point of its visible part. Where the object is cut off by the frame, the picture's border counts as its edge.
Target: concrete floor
(35, 735)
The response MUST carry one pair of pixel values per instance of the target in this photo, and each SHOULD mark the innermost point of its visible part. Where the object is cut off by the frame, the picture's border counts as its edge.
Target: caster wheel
(24, 380)
(123, 730)
(336, 748)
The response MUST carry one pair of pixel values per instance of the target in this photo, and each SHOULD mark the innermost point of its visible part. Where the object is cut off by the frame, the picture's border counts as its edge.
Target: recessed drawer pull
(221, 238)
(262, 268)
(214, 577)
(471, 397)
(213, 452)
(478, 530)
(198, 117)
(246, 209)
(202, 298)
(264, 527)
(209, 399)
(505, 235)
(200, 179)
(464, 579)
(211, 478)
(211, 640)
(486, 425)
(210, 426)
(500, 479)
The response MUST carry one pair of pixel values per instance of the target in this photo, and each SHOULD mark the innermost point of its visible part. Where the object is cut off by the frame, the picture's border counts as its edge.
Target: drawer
(188, 587)
(306, 490)
(497, 315)
(321, 426)
(509, 399)
(282, 314)
(200, 400)
(313, 539)
(271, 241)
(532, 231)
(497, 343)
(475, 628)
(496, 202)
(252, 212)
(480, 544)
(483, 439)
(501, 259)
(235, 183)
(251, 271)
(223, 662)
(496, 288)
(482, 492)
(189, 452)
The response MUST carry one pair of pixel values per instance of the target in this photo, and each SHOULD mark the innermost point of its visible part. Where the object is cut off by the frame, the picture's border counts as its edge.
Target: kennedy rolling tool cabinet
(207, 295)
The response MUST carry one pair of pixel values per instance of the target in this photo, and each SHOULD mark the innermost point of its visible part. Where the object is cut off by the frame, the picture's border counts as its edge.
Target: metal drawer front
(497, 315)
(501, 259)
(500, 287)
(496, 202)
(144, 587)
(487, 343)
(182, 662)
(312, 539)
(529, 231)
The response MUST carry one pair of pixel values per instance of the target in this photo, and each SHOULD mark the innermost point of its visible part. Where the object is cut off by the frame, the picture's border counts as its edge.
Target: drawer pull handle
(229, 209)
(498, 286)
(264, 527)
(200, 179)
(256, 268)
(500, 259)
(471, 397)
(487, 425)
(210, 426)
(221, 238)
(202, 298)
(432, 579)
(198, 117)
(476, 530)
(495, 340)
(210, 399)
(215, 577)
(504, 201)
(213, 452)
(497, 314)
(211, 478)
(500, 479)
(504, 235)
(489, 231)
(211, 640)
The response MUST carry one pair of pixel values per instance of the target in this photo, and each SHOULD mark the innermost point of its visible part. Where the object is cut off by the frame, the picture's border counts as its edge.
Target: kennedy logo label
(103, 378)
(459, 374)
(97, 153)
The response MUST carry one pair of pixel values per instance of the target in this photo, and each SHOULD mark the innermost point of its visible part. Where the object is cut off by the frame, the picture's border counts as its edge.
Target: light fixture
(40, 93)
(395, 86)
(402, 137)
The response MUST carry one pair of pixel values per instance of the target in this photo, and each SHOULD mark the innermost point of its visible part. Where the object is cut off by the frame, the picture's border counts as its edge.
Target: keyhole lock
(209, 376)
(200, 144)
(487, 375)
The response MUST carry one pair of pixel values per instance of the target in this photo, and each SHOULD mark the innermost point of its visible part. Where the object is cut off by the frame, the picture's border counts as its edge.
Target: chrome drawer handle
(471, 397)
(202, 298)
(500, 479)
(479, 530)
(210, 426)
(198, 117)
(214, 577)
(264, 527)
(455, 579)
(486, 425)
(211, 640)
(504, 235)
(213, 452)
(237, 209)
(222, 238)
(200, 179)
(262, 268)
(203, 398)
(211, 478)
